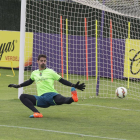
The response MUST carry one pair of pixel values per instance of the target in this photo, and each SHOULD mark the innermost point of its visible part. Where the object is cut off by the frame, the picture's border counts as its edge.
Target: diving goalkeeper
(47, 95)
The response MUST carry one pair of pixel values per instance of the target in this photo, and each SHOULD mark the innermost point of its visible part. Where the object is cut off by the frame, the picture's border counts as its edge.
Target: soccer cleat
(74, 94)
(36, 115)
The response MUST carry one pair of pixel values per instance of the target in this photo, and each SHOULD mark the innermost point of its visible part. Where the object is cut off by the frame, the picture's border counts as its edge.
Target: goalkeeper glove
(80, 86)
(14, 86)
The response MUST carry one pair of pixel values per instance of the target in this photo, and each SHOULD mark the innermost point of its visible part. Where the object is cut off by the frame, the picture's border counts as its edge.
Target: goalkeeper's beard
(43, 66)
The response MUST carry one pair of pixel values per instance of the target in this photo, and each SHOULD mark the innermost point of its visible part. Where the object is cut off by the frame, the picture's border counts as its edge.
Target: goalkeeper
(47, 95)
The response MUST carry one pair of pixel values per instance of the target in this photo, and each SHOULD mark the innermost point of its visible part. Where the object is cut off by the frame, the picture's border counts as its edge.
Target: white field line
(61, 132)
(107, 107)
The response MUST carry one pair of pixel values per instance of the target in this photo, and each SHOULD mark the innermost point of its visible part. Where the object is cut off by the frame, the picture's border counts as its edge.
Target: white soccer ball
(121, 92)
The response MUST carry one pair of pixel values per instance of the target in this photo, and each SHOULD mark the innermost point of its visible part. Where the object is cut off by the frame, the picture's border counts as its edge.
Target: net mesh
(90, 39)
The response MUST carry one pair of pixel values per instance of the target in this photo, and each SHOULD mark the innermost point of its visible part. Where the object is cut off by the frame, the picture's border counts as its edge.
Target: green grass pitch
(89, 119)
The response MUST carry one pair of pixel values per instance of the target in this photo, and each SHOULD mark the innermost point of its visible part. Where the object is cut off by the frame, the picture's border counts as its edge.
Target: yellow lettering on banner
(134, 58)
(10, 46)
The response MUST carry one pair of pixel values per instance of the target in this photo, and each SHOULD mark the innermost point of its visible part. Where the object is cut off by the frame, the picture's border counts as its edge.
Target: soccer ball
(121, 92)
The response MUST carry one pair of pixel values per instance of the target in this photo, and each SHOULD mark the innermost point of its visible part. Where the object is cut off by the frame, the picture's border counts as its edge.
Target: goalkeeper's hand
(14, 86)
(80, 86)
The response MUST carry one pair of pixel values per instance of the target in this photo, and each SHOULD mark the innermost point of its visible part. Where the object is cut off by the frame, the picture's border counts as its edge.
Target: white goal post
(92, 41)
(22, 44)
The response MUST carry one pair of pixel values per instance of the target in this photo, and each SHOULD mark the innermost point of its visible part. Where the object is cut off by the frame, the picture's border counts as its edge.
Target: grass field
(89, 119)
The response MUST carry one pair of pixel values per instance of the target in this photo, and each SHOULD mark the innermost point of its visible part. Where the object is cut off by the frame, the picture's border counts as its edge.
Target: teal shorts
(45, 100)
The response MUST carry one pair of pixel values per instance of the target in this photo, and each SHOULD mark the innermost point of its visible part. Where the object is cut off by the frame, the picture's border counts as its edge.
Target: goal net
(92, 41)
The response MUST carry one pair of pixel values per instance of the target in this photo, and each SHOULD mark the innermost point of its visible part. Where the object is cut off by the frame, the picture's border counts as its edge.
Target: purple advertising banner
(50, 45)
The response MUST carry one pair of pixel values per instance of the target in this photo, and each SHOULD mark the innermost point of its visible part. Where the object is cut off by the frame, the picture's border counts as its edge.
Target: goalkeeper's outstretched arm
(24, 84)
(77, 85)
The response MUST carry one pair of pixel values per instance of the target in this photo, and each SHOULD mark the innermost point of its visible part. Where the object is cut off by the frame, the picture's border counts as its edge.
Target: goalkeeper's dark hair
(41, 55)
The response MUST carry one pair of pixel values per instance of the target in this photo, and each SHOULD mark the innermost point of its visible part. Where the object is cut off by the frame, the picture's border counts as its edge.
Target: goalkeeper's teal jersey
(45, 80)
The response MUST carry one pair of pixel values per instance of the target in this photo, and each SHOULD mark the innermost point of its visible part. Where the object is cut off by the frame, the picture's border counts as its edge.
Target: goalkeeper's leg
(29, 101)
(59, 99)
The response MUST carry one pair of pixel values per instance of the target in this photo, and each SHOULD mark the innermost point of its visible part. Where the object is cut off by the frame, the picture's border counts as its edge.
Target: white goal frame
(101, 9)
